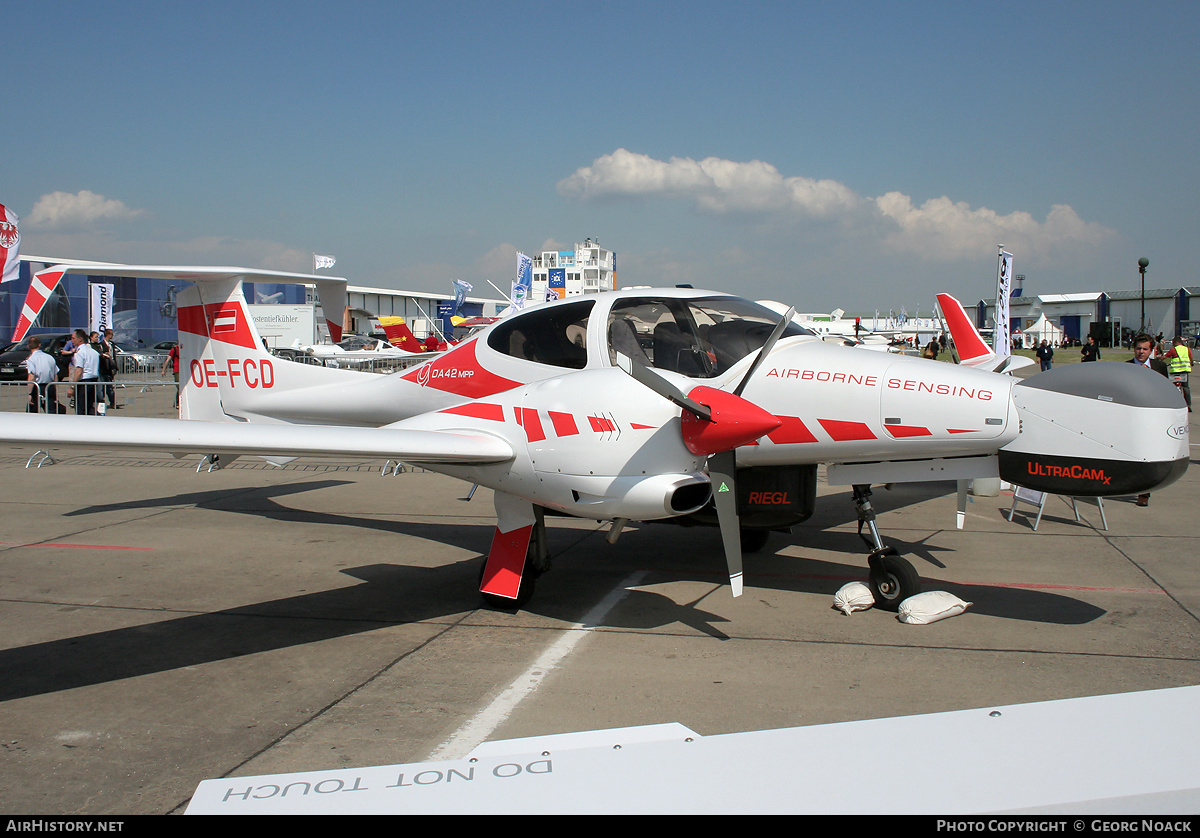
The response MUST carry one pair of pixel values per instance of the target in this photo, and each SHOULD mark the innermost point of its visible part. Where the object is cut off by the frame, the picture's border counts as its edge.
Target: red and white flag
(10, 245)
(40, 289)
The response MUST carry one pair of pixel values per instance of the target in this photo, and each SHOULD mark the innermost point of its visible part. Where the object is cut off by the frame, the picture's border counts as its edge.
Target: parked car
(131, 359)
(12, 360)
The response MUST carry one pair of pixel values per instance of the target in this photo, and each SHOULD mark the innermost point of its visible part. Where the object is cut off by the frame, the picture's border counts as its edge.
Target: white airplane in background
(666, 404)
(835, 328)
(355, 351)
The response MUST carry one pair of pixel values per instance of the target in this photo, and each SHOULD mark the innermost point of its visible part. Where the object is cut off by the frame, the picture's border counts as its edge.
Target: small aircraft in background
(355, 351)
(836, 328)
(400, 336)
(649, 404)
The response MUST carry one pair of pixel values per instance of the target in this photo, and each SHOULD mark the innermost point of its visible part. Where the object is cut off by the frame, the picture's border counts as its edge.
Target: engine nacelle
(1096, 430)
(641, 498)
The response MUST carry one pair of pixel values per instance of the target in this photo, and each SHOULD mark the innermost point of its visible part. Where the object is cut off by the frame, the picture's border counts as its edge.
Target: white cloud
(951, 230)
(714, 184)
(937, 230)
(84, 209)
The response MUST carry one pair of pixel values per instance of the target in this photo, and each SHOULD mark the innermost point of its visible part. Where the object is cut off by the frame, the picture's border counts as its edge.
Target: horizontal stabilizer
(331, 289)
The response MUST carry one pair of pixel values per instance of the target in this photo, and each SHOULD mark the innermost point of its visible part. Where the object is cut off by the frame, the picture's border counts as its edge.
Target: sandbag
(853, 596)
(931, 606)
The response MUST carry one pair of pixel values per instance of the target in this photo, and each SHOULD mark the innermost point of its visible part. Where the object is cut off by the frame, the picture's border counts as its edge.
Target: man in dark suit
(1143, 346)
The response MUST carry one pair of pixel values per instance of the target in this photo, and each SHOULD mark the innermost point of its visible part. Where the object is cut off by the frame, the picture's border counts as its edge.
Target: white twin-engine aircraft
(649, 404)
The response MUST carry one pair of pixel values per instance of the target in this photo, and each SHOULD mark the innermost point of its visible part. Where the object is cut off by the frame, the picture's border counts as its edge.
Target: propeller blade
(766, 349)
(644, 375)
(722, 468)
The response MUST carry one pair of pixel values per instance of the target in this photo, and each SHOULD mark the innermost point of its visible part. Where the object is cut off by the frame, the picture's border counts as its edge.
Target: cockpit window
(555, 335)
(700, 338)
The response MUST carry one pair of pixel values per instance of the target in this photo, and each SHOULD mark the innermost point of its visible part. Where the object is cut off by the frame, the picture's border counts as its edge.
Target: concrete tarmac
(163, 627)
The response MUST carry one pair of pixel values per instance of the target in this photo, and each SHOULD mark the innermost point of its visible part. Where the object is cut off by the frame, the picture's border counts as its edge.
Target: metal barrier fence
(143, 396)
(383, 364)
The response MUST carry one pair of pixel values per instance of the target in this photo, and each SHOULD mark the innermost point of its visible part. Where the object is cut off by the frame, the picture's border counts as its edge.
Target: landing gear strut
(892, 578)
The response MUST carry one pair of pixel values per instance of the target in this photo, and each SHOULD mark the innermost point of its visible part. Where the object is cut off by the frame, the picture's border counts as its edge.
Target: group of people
(89, 373)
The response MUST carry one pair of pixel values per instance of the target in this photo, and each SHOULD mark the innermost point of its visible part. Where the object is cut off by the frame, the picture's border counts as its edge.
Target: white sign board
(282, 325)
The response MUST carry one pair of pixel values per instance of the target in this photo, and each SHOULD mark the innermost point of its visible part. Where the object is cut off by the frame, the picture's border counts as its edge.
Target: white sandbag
(853, 596)
(931, 606)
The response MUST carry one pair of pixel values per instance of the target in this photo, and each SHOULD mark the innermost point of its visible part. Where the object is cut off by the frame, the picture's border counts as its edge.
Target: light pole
(1143, 263)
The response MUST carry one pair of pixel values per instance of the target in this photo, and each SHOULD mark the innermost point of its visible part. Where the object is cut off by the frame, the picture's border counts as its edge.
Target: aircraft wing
(181, 436)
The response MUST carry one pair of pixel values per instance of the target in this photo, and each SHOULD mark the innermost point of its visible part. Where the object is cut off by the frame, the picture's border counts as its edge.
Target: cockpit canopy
(700, 337)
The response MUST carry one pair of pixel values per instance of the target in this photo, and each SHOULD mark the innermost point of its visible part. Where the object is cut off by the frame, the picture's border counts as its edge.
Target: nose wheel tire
(892, 579)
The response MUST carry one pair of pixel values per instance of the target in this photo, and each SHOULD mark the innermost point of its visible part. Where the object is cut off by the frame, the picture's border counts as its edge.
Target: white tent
(1042, 330)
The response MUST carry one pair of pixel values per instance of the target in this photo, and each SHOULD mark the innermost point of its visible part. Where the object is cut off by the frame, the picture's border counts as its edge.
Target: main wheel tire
(892, 581)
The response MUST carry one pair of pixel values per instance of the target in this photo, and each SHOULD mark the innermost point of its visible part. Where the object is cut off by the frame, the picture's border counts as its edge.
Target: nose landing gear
(892, 578)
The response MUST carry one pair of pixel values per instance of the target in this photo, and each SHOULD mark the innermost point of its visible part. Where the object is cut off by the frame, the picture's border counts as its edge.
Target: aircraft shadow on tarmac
(392, 594)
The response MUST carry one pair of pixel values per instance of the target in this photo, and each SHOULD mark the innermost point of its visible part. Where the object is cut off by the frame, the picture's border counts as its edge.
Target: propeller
(714, 423)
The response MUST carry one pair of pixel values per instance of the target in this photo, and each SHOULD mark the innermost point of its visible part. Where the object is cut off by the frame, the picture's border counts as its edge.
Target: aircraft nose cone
(735, 422)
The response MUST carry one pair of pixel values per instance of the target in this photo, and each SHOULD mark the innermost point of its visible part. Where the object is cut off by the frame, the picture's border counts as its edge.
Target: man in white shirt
(42, 372)
(85, 368)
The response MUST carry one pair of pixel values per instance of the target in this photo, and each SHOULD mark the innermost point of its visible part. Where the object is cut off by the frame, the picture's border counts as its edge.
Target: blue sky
(855, 154)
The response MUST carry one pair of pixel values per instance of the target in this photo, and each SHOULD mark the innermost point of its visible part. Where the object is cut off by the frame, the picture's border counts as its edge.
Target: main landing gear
(892, 579)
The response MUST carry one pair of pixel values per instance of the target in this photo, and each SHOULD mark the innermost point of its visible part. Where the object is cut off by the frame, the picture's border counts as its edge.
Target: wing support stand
(892, 578)
(43, 458)
(213, 461)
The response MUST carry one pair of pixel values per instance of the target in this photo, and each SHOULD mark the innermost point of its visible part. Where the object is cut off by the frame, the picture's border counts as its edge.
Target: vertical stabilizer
(400, 335)
(971, 348)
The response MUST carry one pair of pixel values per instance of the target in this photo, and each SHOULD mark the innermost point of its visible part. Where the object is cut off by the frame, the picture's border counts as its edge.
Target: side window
(659, 333)
(554, 335)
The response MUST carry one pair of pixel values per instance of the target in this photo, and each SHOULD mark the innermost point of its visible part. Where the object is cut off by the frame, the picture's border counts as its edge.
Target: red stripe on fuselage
(841, 431)
(459, 372)
(792, 430)
(564, 423)
(901, 431)
(479, 410)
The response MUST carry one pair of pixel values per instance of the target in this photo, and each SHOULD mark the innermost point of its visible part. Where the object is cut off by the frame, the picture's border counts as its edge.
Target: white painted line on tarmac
(484, 723)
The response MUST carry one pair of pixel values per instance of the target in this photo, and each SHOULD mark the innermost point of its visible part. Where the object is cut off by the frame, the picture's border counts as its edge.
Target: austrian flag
(10, 245)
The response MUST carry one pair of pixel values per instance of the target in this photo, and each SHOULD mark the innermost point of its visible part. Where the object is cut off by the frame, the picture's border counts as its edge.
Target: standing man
(1143, 346)
(108, 366)
(172, 361)
(43, 372)
(1091, 350)
(1045, 354)
(1179, 361)
(85, 372)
